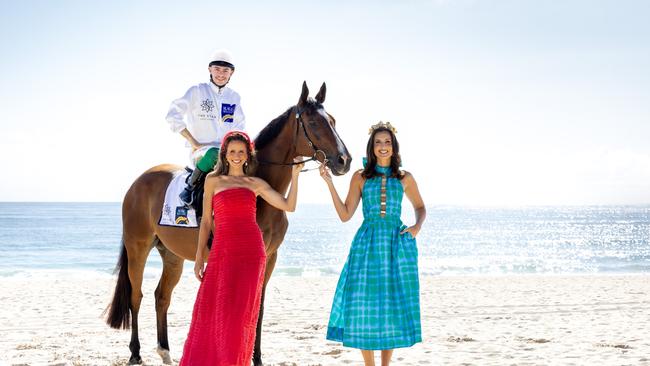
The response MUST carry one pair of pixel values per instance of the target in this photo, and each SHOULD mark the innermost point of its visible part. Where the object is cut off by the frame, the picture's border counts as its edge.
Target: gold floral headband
(382, 124)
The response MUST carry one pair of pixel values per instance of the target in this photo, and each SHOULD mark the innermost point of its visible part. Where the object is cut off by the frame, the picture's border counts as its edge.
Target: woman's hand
(325, 174)
(295, 170)
(199, 268)
(414, 230)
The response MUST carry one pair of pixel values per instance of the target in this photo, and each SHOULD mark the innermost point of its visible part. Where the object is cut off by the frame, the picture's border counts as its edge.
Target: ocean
(38, 239)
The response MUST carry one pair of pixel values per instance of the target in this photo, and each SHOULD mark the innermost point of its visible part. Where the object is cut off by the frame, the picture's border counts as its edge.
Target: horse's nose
(343, 160)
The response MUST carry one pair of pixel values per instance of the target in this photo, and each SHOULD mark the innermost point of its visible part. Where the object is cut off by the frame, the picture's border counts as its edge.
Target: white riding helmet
(222, 57)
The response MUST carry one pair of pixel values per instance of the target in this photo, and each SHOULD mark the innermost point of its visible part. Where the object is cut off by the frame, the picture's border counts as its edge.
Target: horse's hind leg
(137, 251)
(171, 274)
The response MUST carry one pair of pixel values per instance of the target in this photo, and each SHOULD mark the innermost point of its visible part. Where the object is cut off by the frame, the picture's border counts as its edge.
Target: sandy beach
(467, 320)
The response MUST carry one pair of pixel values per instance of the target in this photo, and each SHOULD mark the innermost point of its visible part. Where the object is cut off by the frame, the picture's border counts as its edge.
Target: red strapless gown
(222, 332)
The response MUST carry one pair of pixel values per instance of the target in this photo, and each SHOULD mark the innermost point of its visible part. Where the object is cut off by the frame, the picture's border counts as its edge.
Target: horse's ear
(320, 97)
(303, 95)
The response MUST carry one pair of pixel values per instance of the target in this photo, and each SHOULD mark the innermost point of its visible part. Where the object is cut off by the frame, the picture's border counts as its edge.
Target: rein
(309, 141)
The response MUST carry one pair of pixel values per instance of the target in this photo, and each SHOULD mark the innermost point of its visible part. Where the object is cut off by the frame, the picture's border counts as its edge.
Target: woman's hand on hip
(414, 230)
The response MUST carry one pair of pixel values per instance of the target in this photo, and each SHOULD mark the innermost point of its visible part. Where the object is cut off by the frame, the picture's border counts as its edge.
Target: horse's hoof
(164, 354)
(135, 360)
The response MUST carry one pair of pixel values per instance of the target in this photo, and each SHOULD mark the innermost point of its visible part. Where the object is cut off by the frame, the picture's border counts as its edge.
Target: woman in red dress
(222, 332)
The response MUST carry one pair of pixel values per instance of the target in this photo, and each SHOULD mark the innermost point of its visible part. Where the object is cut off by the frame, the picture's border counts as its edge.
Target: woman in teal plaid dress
(376, 305)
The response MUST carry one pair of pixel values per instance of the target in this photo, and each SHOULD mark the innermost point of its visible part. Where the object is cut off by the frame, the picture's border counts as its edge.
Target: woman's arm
(344, 210)
(205, 227)
(413, 194)
(274, 198)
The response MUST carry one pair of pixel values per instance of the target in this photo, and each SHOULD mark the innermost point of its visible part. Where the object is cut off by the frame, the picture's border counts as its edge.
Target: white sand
(510, 320)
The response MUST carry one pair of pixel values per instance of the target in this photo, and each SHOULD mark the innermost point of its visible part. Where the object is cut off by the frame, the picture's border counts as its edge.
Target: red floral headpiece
(251, 144)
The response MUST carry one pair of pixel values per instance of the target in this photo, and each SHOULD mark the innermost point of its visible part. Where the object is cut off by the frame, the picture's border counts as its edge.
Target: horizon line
(645, 204)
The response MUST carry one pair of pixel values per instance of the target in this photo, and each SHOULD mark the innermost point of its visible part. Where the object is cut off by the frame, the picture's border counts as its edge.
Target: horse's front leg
(171, 274)
(257, 352)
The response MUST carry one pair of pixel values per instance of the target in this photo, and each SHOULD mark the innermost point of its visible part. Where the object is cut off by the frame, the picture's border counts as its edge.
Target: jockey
(204, 115)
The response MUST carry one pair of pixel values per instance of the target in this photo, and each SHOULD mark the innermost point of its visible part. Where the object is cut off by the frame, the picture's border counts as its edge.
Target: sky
(497, 103)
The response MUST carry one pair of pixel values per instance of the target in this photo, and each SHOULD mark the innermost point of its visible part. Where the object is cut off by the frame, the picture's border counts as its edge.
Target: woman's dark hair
(222, 166)
(395, 160)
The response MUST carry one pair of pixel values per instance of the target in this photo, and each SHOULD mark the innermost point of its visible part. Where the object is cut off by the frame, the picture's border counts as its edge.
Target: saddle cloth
(174, 212)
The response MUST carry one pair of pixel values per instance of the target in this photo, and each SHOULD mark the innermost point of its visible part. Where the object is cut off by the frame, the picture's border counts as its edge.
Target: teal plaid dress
(377, 302)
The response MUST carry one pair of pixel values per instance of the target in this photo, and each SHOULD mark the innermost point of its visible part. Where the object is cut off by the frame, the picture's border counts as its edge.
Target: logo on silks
(181, 216)
(207, 106)
(227, 111)
(167, 210)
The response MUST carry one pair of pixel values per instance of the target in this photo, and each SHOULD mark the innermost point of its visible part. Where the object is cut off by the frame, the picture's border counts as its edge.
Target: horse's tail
(119, 315)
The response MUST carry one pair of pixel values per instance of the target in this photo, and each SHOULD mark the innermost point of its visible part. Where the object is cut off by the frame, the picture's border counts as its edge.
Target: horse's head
(317, 134)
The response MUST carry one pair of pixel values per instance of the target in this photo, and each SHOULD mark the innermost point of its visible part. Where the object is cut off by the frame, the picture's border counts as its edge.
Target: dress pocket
(408, 246)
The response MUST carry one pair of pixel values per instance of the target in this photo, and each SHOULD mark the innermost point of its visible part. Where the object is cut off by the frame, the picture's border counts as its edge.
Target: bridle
(310, 142)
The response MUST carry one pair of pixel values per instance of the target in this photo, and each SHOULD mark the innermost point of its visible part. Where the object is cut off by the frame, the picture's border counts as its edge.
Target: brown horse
(305, 129)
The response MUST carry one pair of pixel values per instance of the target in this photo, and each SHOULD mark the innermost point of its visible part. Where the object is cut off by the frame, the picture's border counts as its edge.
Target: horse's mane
(271, 131)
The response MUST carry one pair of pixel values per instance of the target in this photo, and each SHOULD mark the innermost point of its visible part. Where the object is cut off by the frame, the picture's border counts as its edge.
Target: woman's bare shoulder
(213, 178)
(357, 175)
(405, 174)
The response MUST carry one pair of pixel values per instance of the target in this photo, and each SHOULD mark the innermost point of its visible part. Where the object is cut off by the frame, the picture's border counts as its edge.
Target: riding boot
(192, 181)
